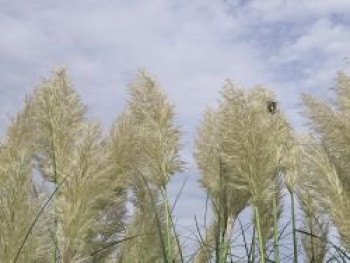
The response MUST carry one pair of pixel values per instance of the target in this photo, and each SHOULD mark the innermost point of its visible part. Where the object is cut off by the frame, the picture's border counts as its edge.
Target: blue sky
(290, 46)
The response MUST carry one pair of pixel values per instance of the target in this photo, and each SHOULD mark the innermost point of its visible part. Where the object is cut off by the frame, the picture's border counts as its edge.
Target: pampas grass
(153, 159)
(245, 149)
(239, 148)
(18, 201)
(328, 155)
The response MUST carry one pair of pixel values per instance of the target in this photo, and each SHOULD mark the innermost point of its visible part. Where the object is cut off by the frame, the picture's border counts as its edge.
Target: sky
(289, 46)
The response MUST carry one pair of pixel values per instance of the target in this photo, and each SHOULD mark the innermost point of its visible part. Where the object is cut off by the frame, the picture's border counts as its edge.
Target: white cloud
(297, 11)
(187, 45)
(324, 37)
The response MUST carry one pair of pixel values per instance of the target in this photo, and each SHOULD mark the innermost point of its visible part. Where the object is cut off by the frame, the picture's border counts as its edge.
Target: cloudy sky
(291, 46)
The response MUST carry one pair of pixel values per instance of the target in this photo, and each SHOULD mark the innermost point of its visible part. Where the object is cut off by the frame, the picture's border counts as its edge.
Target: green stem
(227, 241)
(260, 241)
(309, 211)
(217, 236)
(295, 244)
(253, 245)
(55, 181)
(159, 226)
(218, 245)
(275, 229)
(168, 225)
(177, 240)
